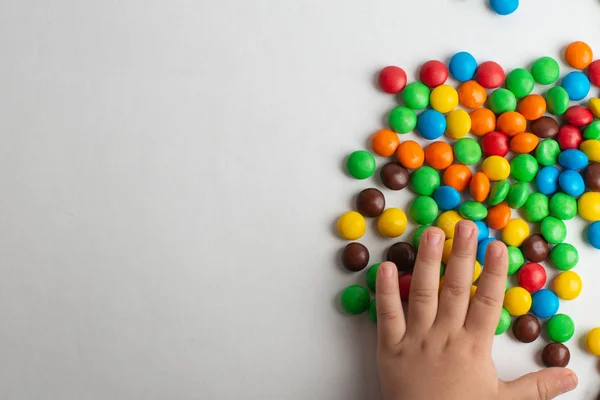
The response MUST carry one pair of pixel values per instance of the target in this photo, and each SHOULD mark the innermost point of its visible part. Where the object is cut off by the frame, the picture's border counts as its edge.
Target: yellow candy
(443, 98)
(476, 271)
(594, 106)
(447, 250)
(351, 225)
(473, 290)
(392, 222)
(588, 206)
(495, 168)
(458, 124)
(591, 148)
(447, 221)
(517, 301)
(567, 285)
(515, 232)
(592, 342)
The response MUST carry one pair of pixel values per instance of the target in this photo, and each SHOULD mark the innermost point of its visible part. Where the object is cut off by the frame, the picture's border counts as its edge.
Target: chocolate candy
(536, 248)
(370, 202)
(526, 328)
(355, 257)
(556, 355)
(394, 176)
(544, 127)
(592, 176)
(402, 254)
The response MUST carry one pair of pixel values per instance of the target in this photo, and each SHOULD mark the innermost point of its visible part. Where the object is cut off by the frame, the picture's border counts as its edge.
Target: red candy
(532, 277)
(433, 73)
(594, 73)
(495, 144)
(490, 75)
(578, 116)
(404, 285)
(392, 79)
(569, 137)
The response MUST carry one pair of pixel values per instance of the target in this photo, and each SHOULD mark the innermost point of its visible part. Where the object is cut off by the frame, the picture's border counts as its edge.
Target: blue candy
(446, 197)
(544, 303)
(593, 234)
(483, 232)
(546, 180)
(573, 159)
(577, 85)
(431, 124)
(571, 183)
(482, 249)
(504, 7)
(463, 66)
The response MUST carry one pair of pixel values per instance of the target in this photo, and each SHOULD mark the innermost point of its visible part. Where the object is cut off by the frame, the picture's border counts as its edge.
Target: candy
(355, 257)
(477, 271)
(515, 259)
(394, 176)
(577, 85)
(446, 252)
(567, 285)
(536, 207)
(479, 187)
(371, 277)
(515, 232)
(517, 301)
(416, 95)
(439, 155)
(433, 73)
(589, 206)
(498, 192)
(444, 98)
(564, 256)
(471, 94)
(425, 180)
(416, 238)
(385, 142)
(569, 137)
(578, 116)
(517, 195)
(532, 277)
(556, 355)
(544, 127)
(490, 75)
(544, 303)
(392, 79)
(594, 106)
(458, 124)
(410, 154)
(502, 100)
(524, 167)
(579, 55)
(563, 206)
(560, 328)
(482, 249)
(520, 82)
(593, 73)
(463, 66)
(483, 121)
(472, 210)
(511, 123)
(482, 230)
(557, 99)
(536, 249)
(402, 254)
(592, 342)
(593, 234)
(431, 124)
(545, 70)
(573, 159)
(360, 164)
(504, 322)
(495, 144)
(571, 183)
(546, 180)
(553, 230)
(404, 282)
(526, 328)
(355, 299)
(370, 202)
(392, 222)
(592, 131)
(351, 225)
(467, 151)
(446, 197)
(532, 107)
(402, 119)
(524, 143)
(547, 152)
(458, 176)
(496, 168)
(504, 7)
(498, 216)
(423, 210)
(373, 312)
(592, 176)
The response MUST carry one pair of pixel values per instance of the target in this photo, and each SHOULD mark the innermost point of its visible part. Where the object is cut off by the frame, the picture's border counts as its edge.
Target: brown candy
(355, 257)
(370, 202)
(544, 127)
(592, 176)
(536, 248)
(526, 328)
(402, 254)
(556, 355)
(394, 176)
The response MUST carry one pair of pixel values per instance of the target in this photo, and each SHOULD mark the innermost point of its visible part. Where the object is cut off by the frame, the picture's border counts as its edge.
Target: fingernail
(568, 383)
(464, 230)
(494, 250)
(387, 270)
(433, 237)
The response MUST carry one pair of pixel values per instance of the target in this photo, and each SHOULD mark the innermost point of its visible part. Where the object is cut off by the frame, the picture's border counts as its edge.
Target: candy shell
(473, 210)
(564, 256)
(444, 99)
(569, 137)
(544, 303)
(385, 142)
(593, 73)
(495, 144)
(524, 167)
(402, 119)
(592, 131)
(567, 285)
(458, 124)
(498, 192)
(511, 123)
(536, 207)
(360, 164)
(591, 148)
(355, 299)
(392, 222)
(557, 99)
(545, 70)
(482, 249)
(392, 79)
(498, 216)
(517, 301)
(594, 106)
(446, 197)
(431, 124)
(463, 66)
(571, 183)
(458, 176)
(563, 206)
(439, 155)
(471, 94)
(520, 82)
(490, 75)
(504, 7)
(592, 342)
(416, 95)
(578, 116)
(518, 195)
(515, 259)
(546, 180)
(410, 154)
(547, 152)
(560, 328)
(447, 222)
(573, 159)
(589, 206)
(496, 168)
(532, 107)
(593, 234)
(433, 73)
(483, 121)
(524, 142)
(553, 230)
(515, 232)
(479, 187)
(532, 277)
(351, 225)
(425, 180)
(483, 231)
(467, 151)
(423, 210)
(579, 55)
(502, 100)
(577, 85)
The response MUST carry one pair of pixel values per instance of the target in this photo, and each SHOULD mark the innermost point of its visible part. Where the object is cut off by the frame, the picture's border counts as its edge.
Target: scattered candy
(416, 95)
(444, 99)
(355, 257)
(532, 277)
(526, 328)
(579, 55)
(439, 155)
(545, 70)
(410, 154)
(431, 124)
(361, 164)
(553, 230)
(517, 301)
(490, 75)
(544, 127)
(482, 249)
(496, 168)
(515, 232)
(589, 206)
(403, 254)
(495, 144)
(536, 207)
(473, 210)
(498, 216)
(471, 94)
(593, 234)
(564, 256)
(518, 195)
(458, 124)
(524, 143)
(515, 260)
(479, 187)
(416, 238)
(556, 355)
(520, 82)
(392, 222)
(536, 248)
(504, 7)
(593, 73)
(578, 116)
(547, 152)
(467, 151)
(532, 107)
(483, 231)
(423, 210)
(370, 202)
(592, 342)
(502, 100)
(563, 206)
(433, 73)
(567, 285)
(394, 176)
(557, 99)
(546, 180)
(483, 121)
(577, 85)
(458, 176)
(571, 183)
(351, 225)
(355, 299)
(498, 192)
(544, 303)
(425, 180)
(373, 312)
(592, 176)
(371, 277)
(385, 142)
(392, 79)
(560, 328)
(446, 197)
(504, 322)
(402, 119)
(404, 282)
(569, 137)
(463, 66)
(524, 167)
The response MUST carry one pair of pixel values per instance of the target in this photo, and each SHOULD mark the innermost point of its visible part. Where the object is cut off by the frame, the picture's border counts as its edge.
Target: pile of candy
(554, 159)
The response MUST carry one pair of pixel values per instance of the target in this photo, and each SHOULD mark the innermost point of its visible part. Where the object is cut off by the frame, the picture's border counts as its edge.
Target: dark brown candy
(536, 248)
(526, 328)
(355, 257)
(402, 254)
(556, 355)
(394, 176)
(592, 176)
(544, 127)
(370, 202)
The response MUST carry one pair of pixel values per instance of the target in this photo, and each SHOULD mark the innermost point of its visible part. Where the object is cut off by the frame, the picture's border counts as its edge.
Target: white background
(170, 174)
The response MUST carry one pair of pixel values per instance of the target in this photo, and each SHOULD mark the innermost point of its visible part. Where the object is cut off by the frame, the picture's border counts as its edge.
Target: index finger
(391, 325)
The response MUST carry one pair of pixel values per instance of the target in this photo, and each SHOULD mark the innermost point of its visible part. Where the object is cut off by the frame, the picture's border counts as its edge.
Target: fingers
(542, 385)
(486, 306)
(424, 286)
(455, 292)
(391, 325)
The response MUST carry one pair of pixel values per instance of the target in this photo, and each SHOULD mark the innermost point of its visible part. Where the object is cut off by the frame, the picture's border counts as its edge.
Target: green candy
(560, 328)
(564, 256)
(373, 312)
(355, 299)
(545, 70)
(592, 132)
(416, 238)
(371, 277)
(467, 151)
(517, 195)
(553, 230)
(425, 180)
(423, 210)
(515, 259)
(520, 82)
(502, 100)
(473, 210)
(557, 100)
(547, 152)
(504, 322)
(442, 270)
(361, 164)
(536, 207)
(524, 167)
(563, 206)
(402, 119)
(416, 95)
(498, 192)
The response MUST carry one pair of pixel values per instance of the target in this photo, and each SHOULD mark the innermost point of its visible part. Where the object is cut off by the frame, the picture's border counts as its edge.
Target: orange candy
(385, 142)
(479, 187)
(498, 216)
(439, 155)
(483, 121)
(458, 176)
(532, 107)
(511, 123)
(524, 142)
(410, 154)
(579, 55)
(471, 94)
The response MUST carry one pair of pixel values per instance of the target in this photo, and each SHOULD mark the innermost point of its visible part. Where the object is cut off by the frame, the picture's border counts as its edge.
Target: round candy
(495, 144)
(547, 180)
(589, 206)
(351, 225)
(477, 271)
(563, 206)
(355, 257)
(402, 254)
(467, 151)
(556, 355)
(410, 154)
(392, 79)
(416, 95)
(577, 85)
(446, 251)
(594, 106)
(425, 180)
(502, 100)
(371, 277)
(557, 99)
(569, 137)
(560, 328)
(463, 66)
(591, 148)
(360, 164)
(544, 303)
(578, 116)
(553, 230)
(544, 127)
(526, 328)
(536, 207)
(479, 187)
(567, 285)
(524, 143)
(520, 82)
(498, 216)
(547, 152)
(515, 232)
(592, 342)
(482, 230)
(404, 282)
(402, 119)
(483, 121)
(370, 202)
(511, 123)
(471, 94)
(458, 176)
(571, 183)
(536, 248)
(416, 238)
(504, 7)
(446, 197)
(592, 131)
(504, 322)
(517, 301)
(473, 210)
(564, 256)
(439, 155)
(392, 222)
(385, 142)
(394, 176)
(579, 55)
(423, 210)
(444, 98)
(433, 73)
(498, 192)
(496, 168)
(490, 75)
(515, 259)
(592, 176)
(593, 234)
(593, 73)
(482, 249)
(431, 124)
(458, 124)
(373, 312)
(545, 70)
(355, 299)
(524, 167)
(532, 107)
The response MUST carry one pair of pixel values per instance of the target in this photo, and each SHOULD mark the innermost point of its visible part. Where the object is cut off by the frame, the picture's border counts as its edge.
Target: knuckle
(486, 300)
(454, 289)
(421, 296)
(388, 314)
(543, 390)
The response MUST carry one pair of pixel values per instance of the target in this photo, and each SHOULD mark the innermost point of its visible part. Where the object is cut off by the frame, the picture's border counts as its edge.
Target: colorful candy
(536, 248)
(416, 95)
(423, 210)
(515, 232)
(578, 116)
(373, 312)
(490, 75)
(471, 94)
(467, 151)
(444, 98)
(532, 277)
(511, 123)
(564, 256)
(517, 301)
(458, 124)
(410, 154)
(592, 342)
(360, 164)
(371, 277)
(536, 207)
(473, 210)
(431, 124)
(404, 282)
(463, 66)
(496, 168)
(479, 187)
(498, 216)
(483, 121)
(532, 107)
(560, 328)
(351, 225)
(504, 7)
(544, 303)
(545, 70)
(402, 119)
(593, 73)
(579, 55)
(447, 222)
(557, 99)
(394, 176)
(563, 206)
(498, 192)
(524, 143)
(593, 234)
(458, 176)
(446, 197)
(524, 167)
(571, 183)
(553, 230)
(392, 79)
(589, 206)
(495, 144)
(355, 257)
(355, 299)
(433, 73)
(544, 127)
(520, 82)
(569, 137)
(518, 195)
(504, 322)
(547, 152)
(502, 100)
(482, 230)
(482, 249)
(577, 85)
(392, 222)
(370, 202)
(439, 155)
(385, 142)
(592, 131)
(567, 285)
(515, 259)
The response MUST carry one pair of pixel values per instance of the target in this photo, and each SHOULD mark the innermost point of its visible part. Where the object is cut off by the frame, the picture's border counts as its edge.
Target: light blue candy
(483, 232)
(544, 303)
(504, 7)
(446, 197)
(593, 234)
(571, 183)
(577, 85)
(463, 66)
(431, 124)
(482, 249)
(546, 180)
(573, 159)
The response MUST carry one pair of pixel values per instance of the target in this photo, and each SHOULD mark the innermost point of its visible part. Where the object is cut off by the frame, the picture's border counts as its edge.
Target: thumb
(542, 385)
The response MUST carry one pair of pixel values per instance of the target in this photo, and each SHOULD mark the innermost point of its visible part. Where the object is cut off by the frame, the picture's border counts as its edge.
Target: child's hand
(443, 351)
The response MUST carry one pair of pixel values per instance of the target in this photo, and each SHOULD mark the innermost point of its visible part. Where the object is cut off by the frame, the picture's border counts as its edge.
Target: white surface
(170, 173)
